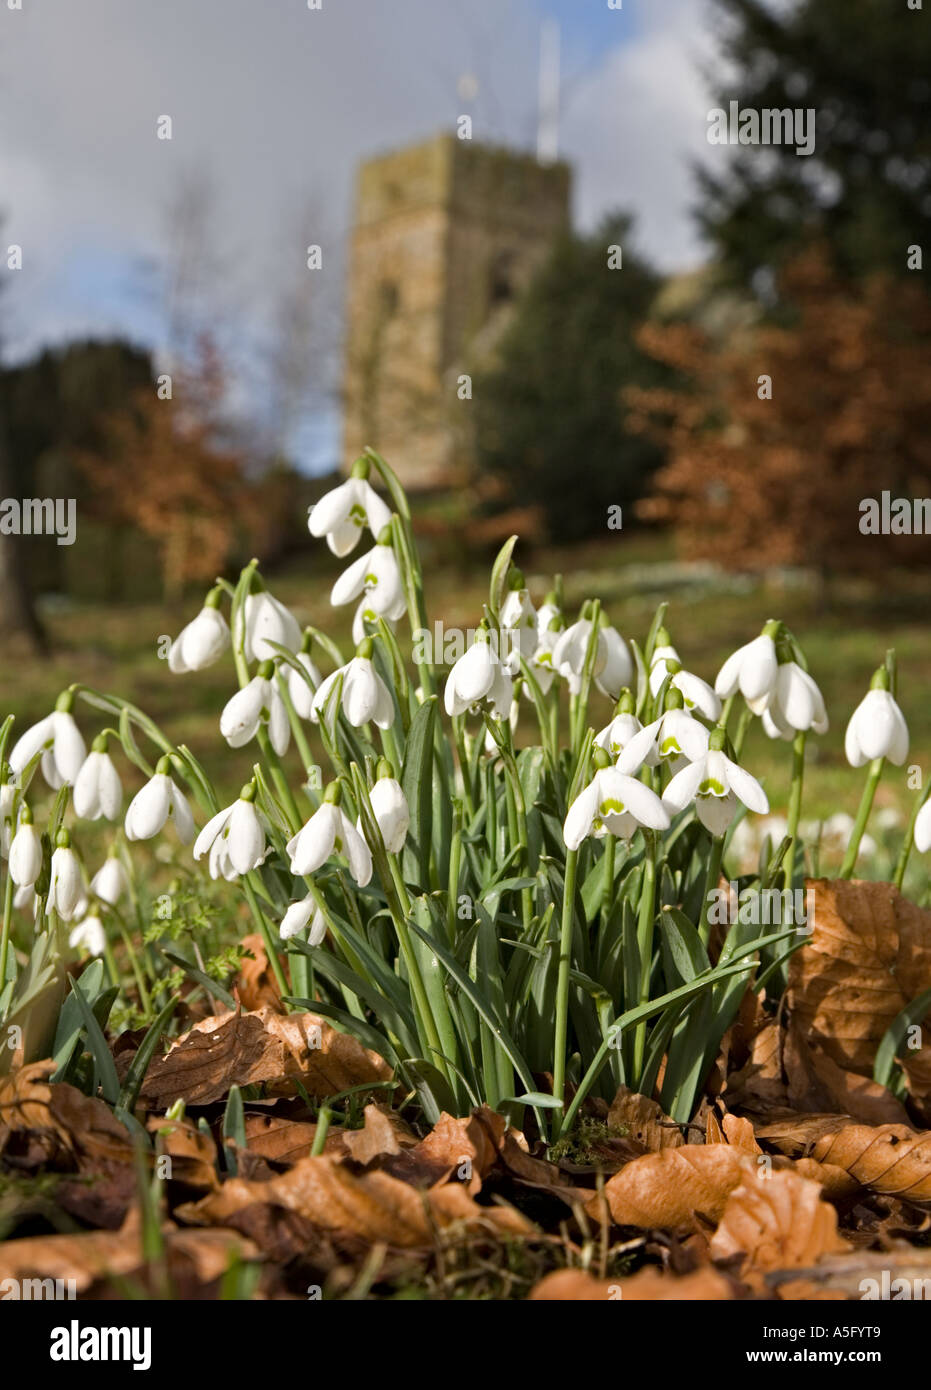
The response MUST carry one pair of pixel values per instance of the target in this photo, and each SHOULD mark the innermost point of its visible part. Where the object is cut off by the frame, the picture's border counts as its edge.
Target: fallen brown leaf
(650, 1285)
(644, 1121)
(869, 955)
(246, 1048)
(890, 1159)
(779, 1221)
(255, 984)
(681, 1189)
(373, 1205)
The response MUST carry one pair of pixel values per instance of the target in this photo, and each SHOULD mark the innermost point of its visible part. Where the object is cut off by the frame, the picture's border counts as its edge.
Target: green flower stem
(144, 997)
(712, 875)
(282, 786)
(270, 947)
(458, 722)
(5, 934)
(743, 724)
(297, 729)
(904, 853)
(645, 944)
(607, 887)
(455, 867)
(795, 804)
(562, 981)
(863, 815)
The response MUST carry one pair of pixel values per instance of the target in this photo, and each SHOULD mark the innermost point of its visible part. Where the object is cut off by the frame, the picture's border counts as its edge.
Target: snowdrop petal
(149, 808)
(581, 814)
(746, 787)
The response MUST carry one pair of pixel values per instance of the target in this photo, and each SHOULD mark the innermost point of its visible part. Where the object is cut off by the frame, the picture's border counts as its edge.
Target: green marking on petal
(611, 807)
(712, 787)
(669, 748)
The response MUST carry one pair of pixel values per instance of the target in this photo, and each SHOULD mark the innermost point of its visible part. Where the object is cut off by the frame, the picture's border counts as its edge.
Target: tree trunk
(18, 616)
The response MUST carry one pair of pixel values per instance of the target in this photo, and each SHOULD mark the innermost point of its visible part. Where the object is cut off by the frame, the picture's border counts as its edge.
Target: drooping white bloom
(549, 626)
(615, 737)
(794, 705)
(613, 804)
(923, 828)
(391, 811)
(613, 665)
(364, 694)
(89, 934)
(202, 642)
(297, 917)
(97, 788)
(479, 675)
(242, 838)
(675, 736)
(26, 854)
(341, 513)
(110, 882)
(65, 885)
(877, 729)
(375, 574)
(696, 693)
(258, 703)
(157, 802)
(751, 669)
(262, 621)
(300, 690)
(662, 654)
(59, 739)
(330, 831)
(519, 623)
(715, 783)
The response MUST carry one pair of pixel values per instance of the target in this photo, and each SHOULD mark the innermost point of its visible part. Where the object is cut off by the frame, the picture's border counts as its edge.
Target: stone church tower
(445, 235)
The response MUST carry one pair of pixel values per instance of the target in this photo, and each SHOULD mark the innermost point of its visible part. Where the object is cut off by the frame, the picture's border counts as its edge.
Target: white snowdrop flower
(302, 690)
(89, 934)
(203, 641)
(751, 669)
(59, 740)
(258, 704)
(877, 727)
(518, 623)
(614, 737)
(613, 667)
(240, 830)
(157, 802)
(715, 783)
(675, 736)
(923, 828)
(97, 787)
(491, 747)
(330, 831)
(364, 694)
(794, 705)
(25, 898)
(549, 626)
(263, 620)
(613, 804)
(66, 887)
(341, 513)
(663, 653)
(297, 917)
(479, 675)
(390, 809)
(111, 881)
(25, 852)
(377, 576)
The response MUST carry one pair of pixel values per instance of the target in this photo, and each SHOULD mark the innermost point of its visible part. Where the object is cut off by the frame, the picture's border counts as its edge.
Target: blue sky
(272, 108)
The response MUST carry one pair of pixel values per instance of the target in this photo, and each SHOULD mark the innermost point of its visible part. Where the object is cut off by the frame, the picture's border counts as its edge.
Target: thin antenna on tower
(548, 122)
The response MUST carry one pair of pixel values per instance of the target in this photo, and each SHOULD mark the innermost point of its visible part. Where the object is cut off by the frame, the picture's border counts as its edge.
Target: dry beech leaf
(680, 1189)
(862, 1275)
(644, 1121)
(475, 1141)
(890, 1159)
(373, 1205)
(247, 1048)
(193, 1153)
(108, 1255)
(256, 985)
(650, 1285)
(869, 955)
(384, 1134)
(815, 1082)
(733, 1130)
(836, 1184)
(286, 1141)
(779, 1221)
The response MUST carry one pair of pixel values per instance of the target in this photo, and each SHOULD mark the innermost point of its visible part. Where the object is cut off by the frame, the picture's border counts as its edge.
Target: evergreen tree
(550, 419)
(865, 68)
